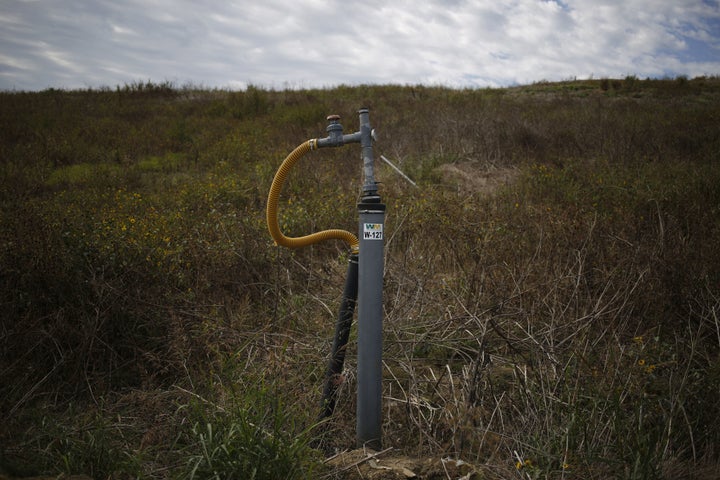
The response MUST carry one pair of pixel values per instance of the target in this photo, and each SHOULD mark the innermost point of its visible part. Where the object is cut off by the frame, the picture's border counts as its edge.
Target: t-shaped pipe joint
(335, 136)
(364, 137)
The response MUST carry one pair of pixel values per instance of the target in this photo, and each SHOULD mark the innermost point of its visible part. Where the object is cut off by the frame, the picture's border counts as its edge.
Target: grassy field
(552, 287)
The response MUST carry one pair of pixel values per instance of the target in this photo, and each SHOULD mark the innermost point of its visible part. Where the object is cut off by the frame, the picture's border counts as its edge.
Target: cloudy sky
(321, 43)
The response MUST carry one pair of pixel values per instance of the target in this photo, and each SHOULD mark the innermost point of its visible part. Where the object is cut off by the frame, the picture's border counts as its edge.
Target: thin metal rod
(382, 157)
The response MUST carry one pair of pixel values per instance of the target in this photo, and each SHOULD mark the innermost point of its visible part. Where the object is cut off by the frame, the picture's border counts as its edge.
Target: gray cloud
(313, 43)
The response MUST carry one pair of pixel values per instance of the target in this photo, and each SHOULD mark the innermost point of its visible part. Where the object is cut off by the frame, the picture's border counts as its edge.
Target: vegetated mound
(474, 177)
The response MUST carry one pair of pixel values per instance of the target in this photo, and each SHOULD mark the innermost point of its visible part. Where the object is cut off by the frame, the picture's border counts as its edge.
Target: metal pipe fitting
(366, 142)
(335, 136)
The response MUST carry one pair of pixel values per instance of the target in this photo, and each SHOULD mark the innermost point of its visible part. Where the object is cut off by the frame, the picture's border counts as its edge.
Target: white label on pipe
(373, 231)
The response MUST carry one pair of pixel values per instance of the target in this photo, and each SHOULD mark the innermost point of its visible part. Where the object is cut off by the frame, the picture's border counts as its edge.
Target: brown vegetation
(552, 288)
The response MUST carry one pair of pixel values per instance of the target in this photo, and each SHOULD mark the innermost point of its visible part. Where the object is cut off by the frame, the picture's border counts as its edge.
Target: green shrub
(256, 438)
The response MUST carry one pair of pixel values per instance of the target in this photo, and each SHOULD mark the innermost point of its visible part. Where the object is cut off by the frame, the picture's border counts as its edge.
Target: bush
(256, 438)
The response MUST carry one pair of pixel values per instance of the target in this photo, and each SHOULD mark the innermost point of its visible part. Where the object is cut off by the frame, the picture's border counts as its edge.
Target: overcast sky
(313, 43)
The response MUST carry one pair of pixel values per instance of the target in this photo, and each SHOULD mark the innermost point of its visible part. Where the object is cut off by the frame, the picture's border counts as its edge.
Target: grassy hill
(552, 287)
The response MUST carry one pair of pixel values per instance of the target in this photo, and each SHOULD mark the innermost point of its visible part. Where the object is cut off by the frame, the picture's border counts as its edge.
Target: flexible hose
(333, 375)
(272, 208)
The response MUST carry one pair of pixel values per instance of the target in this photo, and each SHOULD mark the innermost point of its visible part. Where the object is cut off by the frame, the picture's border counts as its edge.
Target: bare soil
(362, 464)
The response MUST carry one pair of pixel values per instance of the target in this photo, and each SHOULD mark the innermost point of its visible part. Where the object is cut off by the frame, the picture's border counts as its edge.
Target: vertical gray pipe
(370, 282)
(369, 184)
(370, 277)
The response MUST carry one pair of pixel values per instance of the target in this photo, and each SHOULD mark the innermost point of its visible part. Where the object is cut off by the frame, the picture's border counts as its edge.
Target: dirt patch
(474, 177)
(362, 464)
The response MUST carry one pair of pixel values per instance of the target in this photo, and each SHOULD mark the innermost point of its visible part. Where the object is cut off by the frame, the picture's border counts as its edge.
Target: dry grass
(551, 288)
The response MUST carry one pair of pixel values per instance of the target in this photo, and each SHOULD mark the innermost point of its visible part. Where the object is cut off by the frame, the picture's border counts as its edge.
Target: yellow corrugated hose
(272, 208)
